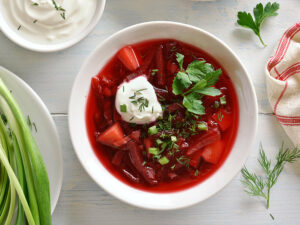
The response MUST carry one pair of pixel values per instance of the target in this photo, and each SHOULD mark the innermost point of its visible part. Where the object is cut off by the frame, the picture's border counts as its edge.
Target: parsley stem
(261, 40)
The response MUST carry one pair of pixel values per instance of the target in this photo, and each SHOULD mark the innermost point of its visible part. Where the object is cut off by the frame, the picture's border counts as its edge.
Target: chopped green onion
(217, 104)
(158, 141)
(202, 126)
(173, 138)
(153, 151)
(123, 108)
(172, 167)
(152, 130)
(164, 160)
(132, 124)
(154, 71)
(223, 100)
(163, 146)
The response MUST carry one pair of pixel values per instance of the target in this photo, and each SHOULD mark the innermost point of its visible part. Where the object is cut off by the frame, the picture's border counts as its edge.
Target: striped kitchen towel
(283, 83)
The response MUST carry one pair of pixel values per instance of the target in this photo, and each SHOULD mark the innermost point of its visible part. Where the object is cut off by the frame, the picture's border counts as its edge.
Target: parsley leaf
(260, 14)
(181, 82)
(211, 91)
(197, 87)
(193, 104)
(198, 78)
(197, 70)
(213, 77)
(179, 58)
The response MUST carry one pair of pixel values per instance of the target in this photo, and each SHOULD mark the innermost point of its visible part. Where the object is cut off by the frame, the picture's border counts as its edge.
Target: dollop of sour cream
(136, 101)
(48, 21)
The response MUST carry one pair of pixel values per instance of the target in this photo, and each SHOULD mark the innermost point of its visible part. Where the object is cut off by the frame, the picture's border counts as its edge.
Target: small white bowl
(18, 39)
(247, 105)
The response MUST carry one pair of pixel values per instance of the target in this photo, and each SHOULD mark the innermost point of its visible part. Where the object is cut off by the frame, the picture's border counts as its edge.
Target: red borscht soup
(162, 115)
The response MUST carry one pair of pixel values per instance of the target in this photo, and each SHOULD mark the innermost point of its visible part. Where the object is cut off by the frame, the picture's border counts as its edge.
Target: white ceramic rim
(138, 197)
(17, 39)
(50, 120)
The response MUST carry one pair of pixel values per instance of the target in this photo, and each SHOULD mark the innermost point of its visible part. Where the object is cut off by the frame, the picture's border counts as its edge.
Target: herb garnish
(217, 104)
(137, 92)
(19, 27)
(184, 161)
(35, 4)
(202, 126)
(123, 108)
(220, 116)
(260, 14)
(163, 160)
(154, 71)
(60, 9)
(173, 49)
(260, 186)
(152, 130)
(34, 21)
(198, 78)
(223, 100)
(160, 98)
(31, 124)
(63, 15)
(141, 101)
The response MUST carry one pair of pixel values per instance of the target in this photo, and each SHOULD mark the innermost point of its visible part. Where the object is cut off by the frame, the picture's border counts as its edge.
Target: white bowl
(13, 35)
(247, 124)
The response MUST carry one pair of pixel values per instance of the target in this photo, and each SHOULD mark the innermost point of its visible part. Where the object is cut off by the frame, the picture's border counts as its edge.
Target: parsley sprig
(260, 186)
(194, 82)
(260, 14)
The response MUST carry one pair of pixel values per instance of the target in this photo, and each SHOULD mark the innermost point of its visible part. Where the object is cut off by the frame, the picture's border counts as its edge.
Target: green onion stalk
(23, 176)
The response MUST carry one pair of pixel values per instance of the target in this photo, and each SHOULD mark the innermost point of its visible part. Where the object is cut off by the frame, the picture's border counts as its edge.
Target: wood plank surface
(52, 75)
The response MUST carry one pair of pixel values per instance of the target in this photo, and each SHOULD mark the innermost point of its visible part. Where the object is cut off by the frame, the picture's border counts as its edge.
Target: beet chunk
(136, 159)
(201, 140)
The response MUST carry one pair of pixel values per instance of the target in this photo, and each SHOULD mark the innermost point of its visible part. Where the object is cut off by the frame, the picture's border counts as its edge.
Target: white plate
(46, 135)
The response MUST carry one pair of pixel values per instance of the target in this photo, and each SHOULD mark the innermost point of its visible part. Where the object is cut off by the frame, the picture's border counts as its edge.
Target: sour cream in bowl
(49, 25)
(136, 101)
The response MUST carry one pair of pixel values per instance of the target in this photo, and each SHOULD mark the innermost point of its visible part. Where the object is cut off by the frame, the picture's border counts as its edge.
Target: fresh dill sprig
(260, 186)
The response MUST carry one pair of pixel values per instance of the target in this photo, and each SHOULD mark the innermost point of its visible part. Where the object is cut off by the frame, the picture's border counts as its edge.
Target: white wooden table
(52, 75)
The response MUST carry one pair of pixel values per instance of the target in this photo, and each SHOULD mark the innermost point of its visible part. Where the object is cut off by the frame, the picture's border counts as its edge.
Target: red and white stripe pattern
(283, 82)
